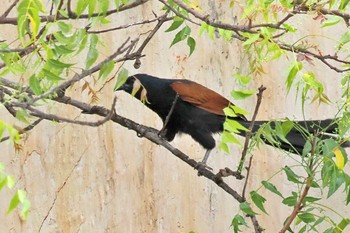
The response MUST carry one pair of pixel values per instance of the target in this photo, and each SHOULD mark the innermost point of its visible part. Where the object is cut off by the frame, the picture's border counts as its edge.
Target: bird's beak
(125, 87)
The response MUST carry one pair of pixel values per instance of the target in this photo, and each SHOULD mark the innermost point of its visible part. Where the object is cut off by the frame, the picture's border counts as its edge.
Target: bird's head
(134, 87)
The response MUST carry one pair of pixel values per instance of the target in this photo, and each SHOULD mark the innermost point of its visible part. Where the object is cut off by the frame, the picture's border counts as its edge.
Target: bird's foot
(202, 166)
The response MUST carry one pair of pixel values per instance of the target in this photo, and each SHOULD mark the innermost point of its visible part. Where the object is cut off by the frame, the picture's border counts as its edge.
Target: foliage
(45, 61)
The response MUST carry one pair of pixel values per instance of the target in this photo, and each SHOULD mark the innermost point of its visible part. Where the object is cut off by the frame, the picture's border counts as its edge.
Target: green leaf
(258, 201)
(238, 221)
(244, 80)
(66, 28)
(51, 76)
(311, 199)
(342, 225)
(223, 146)
(251, 39)
(225, 34)
(92, 7)
(92, 53)
(22, 115)
(293, 71)
(245, 207)
(234, 126)
(345, 38)
(307, 217)
(177, 22)
(242, 94)
(331, 20)
(106, 69)
(343, 4)
(291, 200)
(191, 43)
(17, 199)
(34, 85)
(56, 64)
(121, 79)
(81, 6)
(229, 138)
(181, 35)
(269, 186)
(289, 27)
(2, 130)
(291, 176)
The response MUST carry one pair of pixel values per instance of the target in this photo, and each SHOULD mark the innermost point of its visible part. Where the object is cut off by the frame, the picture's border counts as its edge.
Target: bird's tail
(293, 135)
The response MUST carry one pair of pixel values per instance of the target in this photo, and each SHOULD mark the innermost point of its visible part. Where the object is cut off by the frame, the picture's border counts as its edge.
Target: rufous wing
(201, 97)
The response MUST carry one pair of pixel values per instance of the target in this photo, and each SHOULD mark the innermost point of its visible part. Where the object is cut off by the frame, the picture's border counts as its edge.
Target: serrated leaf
(331, 20)
(56, 64)
(17, 199)
(242, 79)
(293, 71)
(251, 39)
(343, 4)
(2, 130)
(269, 186)
(81, 6)
(311, 199)
(289, 27)
(177, 22)
(345, 38)
(245, 207)
(34, 85)
(191, 43)
(242, 94)
(258, 201)
(291, 176)
(22, 115)
(121, 78)
(181, 35)
(307, 217)
(92, 53)
(66, 28)
(229, 138)
(238, 221)
(106, 69)
(51, 76)
(291, 200)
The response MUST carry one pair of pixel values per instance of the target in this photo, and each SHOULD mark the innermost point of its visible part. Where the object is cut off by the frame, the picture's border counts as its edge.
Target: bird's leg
(163, 131)
(203, 163)
(206, 156)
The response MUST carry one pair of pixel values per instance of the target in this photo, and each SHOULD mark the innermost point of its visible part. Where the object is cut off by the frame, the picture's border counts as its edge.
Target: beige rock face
(106, 179)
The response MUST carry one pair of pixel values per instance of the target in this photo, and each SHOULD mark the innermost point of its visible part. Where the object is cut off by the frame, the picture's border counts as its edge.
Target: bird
(188, 107)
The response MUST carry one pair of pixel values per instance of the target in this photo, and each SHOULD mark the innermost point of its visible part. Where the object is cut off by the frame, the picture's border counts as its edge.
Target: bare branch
(53, 117)
(7, 12)
(178, 13)
(24, 130)
(249, 133)
(72, 15)
(152, 135)
(129, 25)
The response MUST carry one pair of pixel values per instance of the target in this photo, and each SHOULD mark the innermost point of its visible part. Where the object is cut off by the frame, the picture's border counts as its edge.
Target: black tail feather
(298, 134)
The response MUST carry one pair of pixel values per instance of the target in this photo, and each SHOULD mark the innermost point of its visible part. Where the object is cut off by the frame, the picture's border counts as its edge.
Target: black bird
(198, 111)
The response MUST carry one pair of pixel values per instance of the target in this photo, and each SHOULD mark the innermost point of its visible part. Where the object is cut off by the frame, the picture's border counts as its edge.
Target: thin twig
(129, 25)
(53, 117)
(251, 126)
(7, 12)
(24, 130)
(170, 113)
(299, 205)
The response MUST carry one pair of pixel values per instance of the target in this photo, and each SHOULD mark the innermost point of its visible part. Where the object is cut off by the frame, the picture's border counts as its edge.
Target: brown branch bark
(249, 133)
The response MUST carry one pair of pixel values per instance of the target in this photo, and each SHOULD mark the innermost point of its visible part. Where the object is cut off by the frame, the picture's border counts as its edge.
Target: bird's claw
(202, 166)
